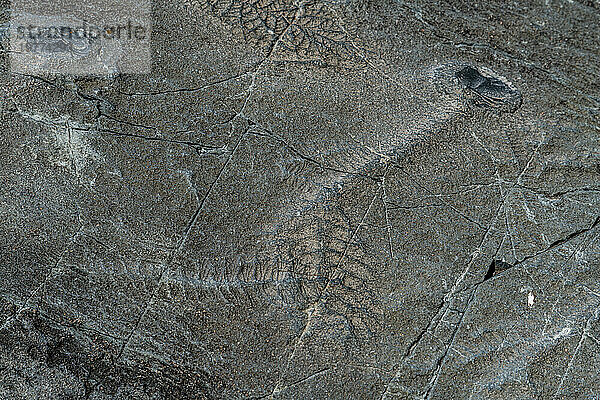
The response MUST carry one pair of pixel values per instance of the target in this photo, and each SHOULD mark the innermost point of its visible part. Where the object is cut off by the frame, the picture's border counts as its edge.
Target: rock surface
(310, 200)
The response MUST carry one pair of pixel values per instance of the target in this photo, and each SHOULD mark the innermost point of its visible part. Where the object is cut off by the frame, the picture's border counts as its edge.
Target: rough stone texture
(304, 201)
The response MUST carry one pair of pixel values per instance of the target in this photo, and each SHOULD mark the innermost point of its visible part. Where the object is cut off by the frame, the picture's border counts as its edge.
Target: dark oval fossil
(488, 91)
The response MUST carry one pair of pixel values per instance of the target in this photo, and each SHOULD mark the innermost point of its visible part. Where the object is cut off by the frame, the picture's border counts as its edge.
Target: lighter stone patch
(530, 299)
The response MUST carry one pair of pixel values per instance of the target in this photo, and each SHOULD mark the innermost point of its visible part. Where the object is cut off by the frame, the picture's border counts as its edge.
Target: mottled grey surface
(305, 200)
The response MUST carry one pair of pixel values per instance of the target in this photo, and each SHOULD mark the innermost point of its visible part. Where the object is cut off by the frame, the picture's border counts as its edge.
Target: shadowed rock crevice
(495, 268)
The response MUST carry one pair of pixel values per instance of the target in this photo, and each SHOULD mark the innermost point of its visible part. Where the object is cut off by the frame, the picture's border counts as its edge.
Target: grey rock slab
(310, 200)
